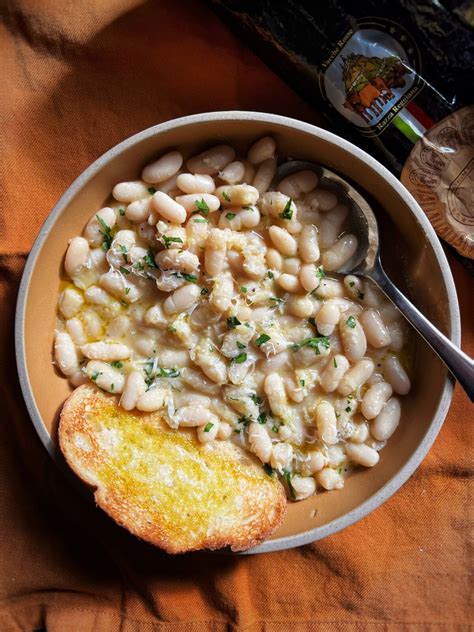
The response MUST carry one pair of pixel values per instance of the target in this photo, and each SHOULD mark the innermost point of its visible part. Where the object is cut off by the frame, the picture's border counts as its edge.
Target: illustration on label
(371, 75)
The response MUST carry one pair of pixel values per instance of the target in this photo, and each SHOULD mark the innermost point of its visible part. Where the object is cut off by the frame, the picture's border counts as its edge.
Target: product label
(371, 74)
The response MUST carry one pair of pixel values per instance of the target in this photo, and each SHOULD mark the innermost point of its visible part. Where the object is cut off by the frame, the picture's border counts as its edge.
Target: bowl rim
(385, 492)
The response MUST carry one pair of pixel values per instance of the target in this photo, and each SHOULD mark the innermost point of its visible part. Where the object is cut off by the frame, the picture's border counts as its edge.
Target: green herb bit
(124, 270)
(351, 322)
(277, 301)
(244, 420)
(112, 388)
(168, 372)
(171, 240)
(262, 339)
(243, 289)
(270, 274)
(302, 383)
(204, 291)
(240, 345)
(230, 216)
(360, 295)
(240, 358)
(124, 252)
(268, 469)
(262, 418)
(95, 375)
(202, 207)
(256, 399)
(348, 409)
(248, 208)
(117, 364)
(191, 278)
(287, 476)
(313, 343)
(200, 220)
(226, 196)
(127, 290)
(152, 190)
(320, 272)
(121, 211)
(334, 363)
(287, 212)
(233, 322)
(275, 429)
(106, 233)
(208, 427)
(351, 283)
(149, 260)
(171, 329)
(139, 266)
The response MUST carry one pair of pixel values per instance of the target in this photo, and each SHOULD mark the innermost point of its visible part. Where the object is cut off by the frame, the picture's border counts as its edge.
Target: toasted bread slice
(163, 485)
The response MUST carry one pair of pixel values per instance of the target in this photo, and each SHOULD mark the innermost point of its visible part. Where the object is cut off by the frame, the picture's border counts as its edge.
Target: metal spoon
(366, 263)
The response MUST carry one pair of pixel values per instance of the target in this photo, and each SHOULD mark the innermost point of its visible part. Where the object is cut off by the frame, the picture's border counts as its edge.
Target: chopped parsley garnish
(302, 383)
(334, 363)
(171, 240)
(320, 272)
(139, 266)
(256, 399)
(106, 233)
(291, 490)
(276, 300)
(202, 207)
(230, 216)
(121, 211)
(262, 339)
(226, 196)
(351, 283)
(248, 208)
(233, 322)
(204, 291)
(240, 345)
(287, 212)
(208, 427)
(151, 190)
(270, 274)
(348, 409)
(191, 278)
(149, 259)
(243, 289)
(275, 429)
(153, 371)
(112, 388)
(313, 343)
(240, 358)
(351, 322)
(168, 372)
(124, 270)
(171, 329)
(117, 364)
(95, 375)
(200, 220)
(124, 252)
(360, 295)
(262, 418)
(268, 469)
(127, 290)
(244, 420)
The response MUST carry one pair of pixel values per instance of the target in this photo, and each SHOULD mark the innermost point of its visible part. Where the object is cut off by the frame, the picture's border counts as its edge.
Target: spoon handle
(459, 363)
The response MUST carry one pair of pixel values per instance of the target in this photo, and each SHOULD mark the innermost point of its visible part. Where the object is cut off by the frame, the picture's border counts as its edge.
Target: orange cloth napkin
(79, 77)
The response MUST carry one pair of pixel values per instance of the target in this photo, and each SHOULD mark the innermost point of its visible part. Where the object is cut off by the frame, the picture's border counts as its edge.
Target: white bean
(333, 373)
(322, 199)
(105, 376)
(163, 168)
(283, 241)
(300, 306)
(274, 259)
(386, 422)
(195, 183)
(233, 172)
(353, 338)
(181, 299)
(224, 430)
(94, 230)
(180, 261)
(165, 206)
(376, 332)
(259, 441)
(194, 202)
(362, 454)
(93, 323)
(193, 416)
(262, 150)
(75, 329)
(212, 160)
(118, 327)
(282, 455)
(237, 195)
(248, 217)
(303, 486)
(375, 398)
(214, 255)
(327, 318)
(354, 286)
(210, 362)
(289, 282)
(273, 203)
(330, 226)
(356, 376)
(329, 479)
(138, 211)
(70, 302)
(397, 336)
(309, 278)
(298, 183)
(77, 256)
(118, 285)
(340, 252)
(152, 400)
(326, 422)
(291, 265)
(396, 375)
(65, 354)
(106, 351)
(154, 317)
(274, 387)
(130, 191)
(330, 288)
(264, 175)
(314, 463)
(308, 247)
(208, 432)
(134, 388)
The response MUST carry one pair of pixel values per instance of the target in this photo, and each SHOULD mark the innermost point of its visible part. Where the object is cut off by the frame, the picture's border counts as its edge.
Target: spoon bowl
(366, 262)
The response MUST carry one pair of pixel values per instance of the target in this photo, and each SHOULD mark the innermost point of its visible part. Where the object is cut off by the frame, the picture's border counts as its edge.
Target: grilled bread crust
(164, 486)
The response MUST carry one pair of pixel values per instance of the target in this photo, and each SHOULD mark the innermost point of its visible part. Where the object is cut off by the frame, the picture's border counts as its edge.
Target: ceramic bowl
(411, 253)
